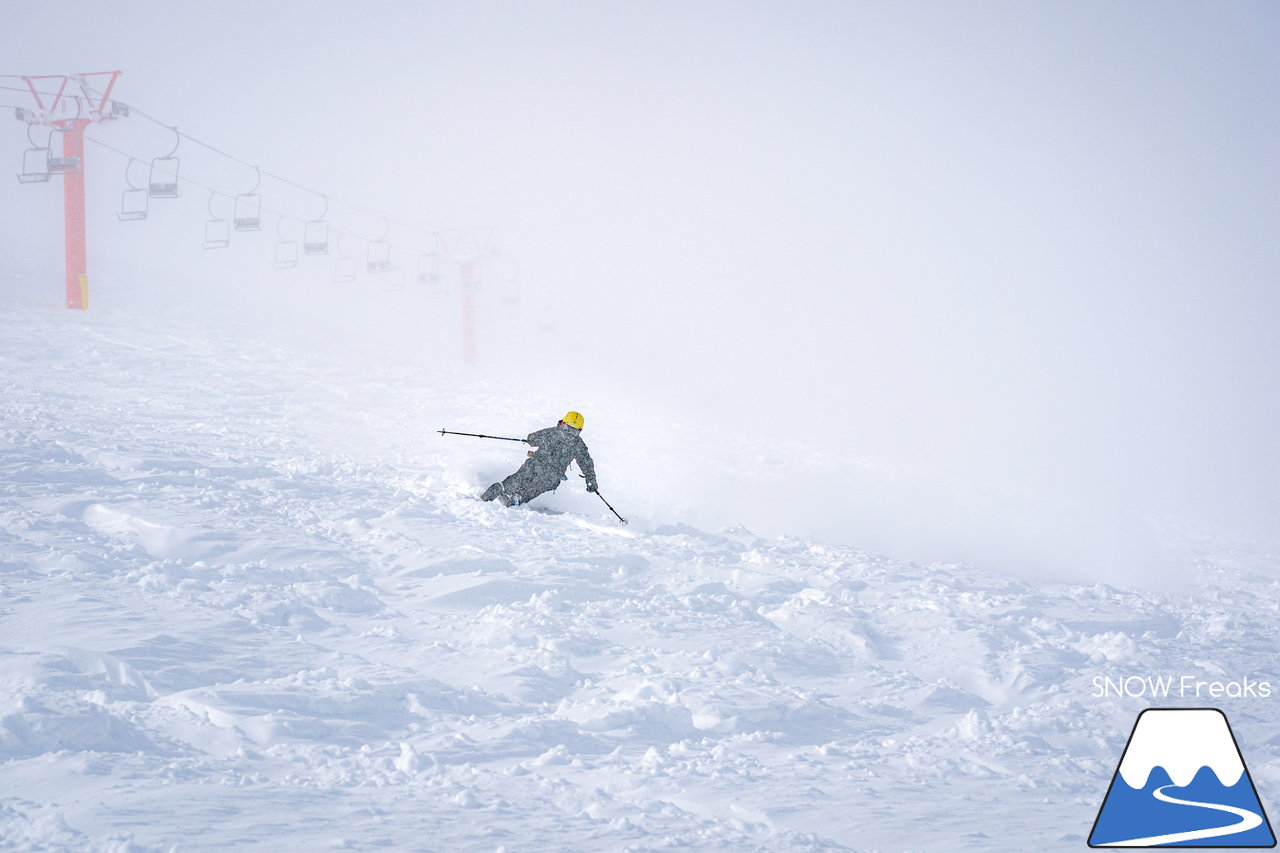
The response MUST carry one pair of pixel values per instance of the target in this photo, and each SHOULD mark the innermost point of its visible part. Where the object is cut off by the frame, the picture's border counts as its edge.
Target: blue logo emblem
(1182, 782)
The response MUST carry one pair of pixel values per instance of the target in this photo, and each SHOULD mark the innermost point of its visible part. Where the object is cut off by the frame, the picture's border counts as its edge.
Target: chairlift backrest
(134, 204)
(248, 212)
(163, 182)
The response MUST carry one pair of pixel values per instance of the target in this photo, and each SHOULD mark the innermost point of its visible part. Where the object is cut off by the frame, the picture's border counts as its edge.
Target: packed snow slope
(249, 601)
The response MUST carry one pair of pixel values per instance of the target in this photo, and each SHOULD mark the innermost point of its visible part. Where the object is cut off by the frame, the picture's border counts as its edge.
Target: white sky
(1027, 248)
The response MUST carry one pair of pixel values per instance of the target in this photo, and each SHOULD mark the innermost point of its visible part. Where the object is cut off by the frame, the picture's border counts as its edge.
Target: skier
(545, 468)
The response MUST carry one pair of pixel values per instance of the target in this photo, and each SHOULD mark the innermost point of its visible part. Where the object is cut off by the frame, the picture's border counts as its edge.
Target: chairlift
(395, 278)
(469, 276)
(217, 234)
(163, 181)
(379, 259)
(217, 231)
(35, 166)
(248, 212)
(315, 234)
(247, 215)
(507, 275)
(286, 251)
(135, 202)
(134, 205)
(64, 165)
(429, 274)
(379, 256)
(344, 266)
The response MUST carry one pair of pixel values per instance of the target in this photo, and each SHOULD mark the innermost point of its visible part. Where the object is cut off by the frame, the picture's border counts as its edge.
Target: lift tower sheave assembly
(69, 114)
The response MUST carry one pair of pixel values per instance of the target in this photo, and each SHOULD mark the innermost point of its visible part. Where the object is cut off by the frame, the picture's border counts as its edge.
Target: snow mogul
(545, 468)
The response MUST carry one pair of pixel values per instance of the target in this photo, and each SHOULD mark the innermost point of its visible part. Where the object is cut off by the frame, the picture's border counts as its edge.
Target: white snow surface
(249, 601)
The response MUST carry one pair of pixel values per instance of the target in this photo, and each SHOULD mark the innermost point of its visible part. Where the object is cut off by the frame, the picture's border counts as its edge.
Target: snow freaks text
(1178, 687)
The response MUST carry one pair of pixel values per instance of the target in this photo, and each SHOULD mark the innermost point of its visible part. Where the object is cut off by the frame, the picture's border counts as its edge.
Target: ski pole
(611, 509)
(477, 435)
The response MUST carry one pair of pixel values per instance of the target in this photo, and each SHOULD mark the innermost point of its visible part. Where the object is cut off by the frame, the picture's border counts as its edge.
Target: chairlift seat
(133, 205)
(64, 165)
(395, 278)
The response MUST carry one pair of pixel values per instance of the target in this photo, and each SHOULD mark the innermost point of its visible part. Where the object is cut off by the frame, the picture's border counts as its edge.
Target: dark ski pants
(520, 488)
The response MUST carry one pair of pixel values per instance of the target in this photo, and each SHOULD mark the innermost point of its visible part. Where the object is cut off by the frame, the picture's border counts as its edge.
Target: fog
(1012, 266)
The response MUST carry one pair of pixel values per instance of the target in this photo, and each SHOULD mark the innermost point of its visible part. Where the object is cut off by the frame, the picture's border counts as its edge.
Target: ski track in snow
(1247, 820)
(246, 602)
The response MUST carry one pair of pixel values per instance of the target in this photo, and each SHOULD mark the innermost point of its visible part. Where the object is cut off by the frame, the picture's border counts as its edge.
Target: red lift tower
(69, 114)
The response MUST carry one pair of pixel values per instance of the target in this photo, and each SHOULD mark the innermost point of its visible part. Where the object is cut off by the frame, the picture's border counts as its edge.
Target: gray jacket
(557, 446)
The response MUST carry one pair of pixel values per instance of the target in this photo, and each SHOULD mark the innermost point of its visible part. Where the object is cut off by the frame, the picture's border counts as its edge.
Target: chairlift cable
(203, 186)
(358, 208)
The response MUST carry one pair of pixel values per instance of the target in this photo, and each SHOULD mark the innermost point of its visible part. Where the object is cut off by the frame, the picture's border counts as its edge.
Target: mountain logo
(1182, 782)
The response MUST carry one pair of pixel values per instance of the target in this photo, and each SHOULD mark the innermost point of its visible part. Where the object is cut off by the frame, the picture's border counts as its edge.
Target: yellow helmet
(573, 419)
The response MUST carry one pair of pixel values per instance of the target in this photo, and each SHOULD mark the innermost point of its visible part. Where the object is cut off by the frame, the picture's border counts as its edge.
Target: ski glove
(592, 487)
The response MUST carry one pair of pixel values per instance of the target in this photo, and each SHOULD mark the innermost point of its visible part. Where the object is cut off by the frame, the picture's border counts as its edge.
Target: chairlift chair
(135, 201)
(217, 231)
(344, 270)
(35, 166)
(469, 276)
(286, 256)
(64, 165)
(286, 251)
(510, 292)
(395, 278)
(134, 205)
(379, 256)
(429, 273)
(163, 181)
(247, 215)
(217, 234)
(315, 237)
